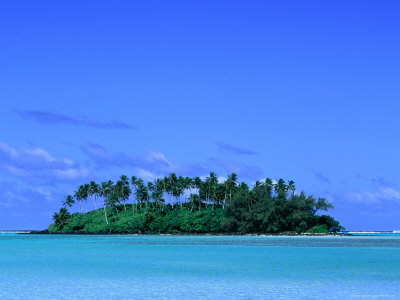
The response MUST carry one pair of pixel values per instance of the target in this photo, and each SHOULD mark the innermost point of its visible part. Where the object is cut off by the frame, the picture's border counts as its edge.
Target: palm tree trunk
(105, 214)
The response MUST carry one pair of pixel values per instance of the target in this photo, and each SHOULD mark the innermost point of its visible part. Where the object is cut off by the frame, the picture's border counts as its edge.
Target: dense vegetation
(191, 205)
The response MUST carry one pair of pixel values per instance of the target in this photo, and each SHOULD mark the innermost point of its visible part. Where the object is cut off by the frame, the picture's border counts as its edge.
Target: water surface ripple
(201, 267)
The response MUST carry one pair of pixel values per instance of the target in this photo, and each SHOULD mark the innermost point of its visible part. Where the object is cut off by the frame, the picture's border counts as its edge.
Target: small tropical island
(185, 205)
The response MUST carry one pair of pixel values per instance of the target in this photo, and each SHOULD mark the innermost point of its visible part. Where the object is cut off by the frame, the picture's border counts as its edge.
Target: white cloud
(71, 173)
(221, 179)
(46, 194)
(19, 172)
(68, 161)
(40, 153)
(28, 199)
(5, 149)
(152, 162)
(153, 156)
(10, 199)
(146, 175)
(97, 152)
(389, 193)
(366, 197)
(362, 197)
(157, 161)
(37, 164)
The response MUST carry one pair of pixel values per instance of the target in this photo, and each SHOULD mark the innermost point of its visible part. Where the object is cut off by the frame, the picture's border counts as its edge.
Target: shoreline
(191, 234)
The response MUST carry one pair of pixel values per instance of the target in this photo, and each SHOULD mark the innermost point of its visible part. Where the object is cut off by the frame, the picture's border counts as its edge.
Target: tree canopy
(194, 205)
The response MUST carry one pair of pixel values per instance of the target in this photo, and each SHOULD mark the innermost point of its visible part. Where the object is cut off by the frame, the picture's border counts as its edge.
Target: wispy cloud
(154, 164)
(362, 197)
(389, 193)
(385, 194)
(51, 118)
(226, 147)
(103, 158)
(38, 164)
(150, 165)
(13, 195)
(381, 181)
(321, 176)
(240, 169)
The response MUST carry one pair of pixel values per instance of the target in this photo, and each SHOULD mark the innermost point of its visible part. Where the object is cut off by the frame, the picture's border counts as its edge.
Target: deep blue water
(211, 267)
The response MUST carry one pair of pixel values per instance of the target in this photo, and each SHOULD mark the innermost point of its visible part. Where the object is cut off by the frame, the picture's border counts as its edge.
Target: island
(185, 205)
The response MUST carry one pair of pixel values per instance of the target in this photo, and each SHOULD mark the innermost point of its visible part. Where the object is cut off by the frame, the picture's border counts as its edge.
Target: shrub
(318, 229)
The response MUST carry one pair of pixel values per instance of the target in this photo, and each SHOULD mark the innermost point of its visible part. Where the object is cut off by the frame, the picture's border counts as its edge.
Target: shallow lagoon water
(213, 267)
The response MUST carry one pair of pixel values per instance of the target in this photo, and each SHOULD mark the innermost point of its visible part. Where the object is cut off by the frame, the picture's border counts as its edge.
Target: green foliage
(331, 223)
(176, 204)
(61, 219)
(318, 229)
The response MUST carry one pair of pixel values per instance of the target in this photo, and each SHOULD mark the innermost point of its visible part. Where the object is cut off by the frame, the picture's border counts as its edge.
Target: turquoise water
(375, 233)
(200, 267)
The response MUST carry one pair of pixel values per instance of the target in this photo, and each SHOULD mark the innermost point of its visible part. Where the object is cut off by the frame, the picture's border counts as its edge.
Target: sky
(301, 90)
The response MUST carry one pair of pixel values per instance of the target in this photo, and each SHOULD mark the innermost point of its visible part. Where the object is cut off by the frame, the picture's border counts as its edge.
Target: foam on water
(214, 267)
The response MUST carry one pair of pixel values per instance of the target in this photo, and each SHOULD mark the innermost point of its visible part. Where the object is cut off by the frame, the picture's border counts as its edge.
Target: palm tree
(164, 184)
(79, 195)
(104, 191)
(93, 191)
(220, 194)
(61, 218)
(291, 187)
(197, 184)
(122, 190)
(193, 198)
(280, 189)
(243, 187)
(212, 183)
(269, 185)
(231, 183)
(189, 184)
(139, 184)
(124, 180)
(113, 199)
(134, 186)
(85, 193)
(157, 194)
(124, 194)
(181, 185)
(172, 183)
(68, 201)
(151, 188)
(142, 193)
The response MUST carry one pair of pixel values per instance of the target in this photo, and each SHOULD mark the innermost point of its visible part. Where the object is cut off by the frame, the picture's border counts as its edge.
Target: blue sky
(302, 90)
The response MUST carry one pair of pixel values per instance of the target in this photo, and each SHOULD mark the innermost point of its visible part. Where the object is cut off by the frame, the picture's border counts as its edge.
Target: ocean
(199, 267)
